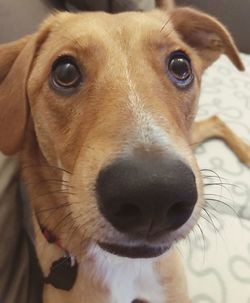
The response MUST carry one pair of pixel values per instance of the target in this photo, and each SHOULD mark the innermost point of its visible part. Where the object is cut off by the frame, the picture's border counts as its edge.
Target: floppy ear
(15, 63)
(207, 35)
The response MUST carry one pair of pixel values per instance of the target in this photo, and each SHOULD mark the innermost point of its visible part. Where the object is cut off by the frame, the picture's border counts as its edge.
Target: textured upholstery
(217, 253)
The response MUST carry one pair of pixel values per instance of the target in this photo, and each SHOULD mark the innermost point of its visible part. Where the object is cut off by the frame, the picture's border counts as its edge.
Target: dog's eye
(65, 74)
(180, 69)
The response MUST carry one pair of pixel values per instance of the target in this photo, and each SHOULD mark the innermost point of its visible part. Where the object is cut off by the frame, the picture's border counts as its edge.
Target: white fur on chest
(128, 279)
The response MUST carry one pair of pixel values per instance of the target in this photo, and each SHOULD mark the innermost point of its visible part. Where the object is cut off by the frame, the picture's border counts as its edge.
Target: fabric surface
(14, 260)
(20, 277)
(218, 262)
(226, 93)
(217, 252)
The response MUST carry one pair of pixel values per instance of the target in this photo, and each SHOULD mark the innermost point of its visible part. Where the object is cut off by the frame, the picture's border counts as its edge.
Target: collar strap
(50, 237)
(63, 272)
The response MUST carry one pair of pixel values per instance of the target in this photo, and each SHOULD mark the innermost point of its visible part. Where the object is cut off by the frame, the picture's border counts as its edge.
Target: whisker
(221, 198)
(222, 202)
(47, 166)
(165, 24)
(55, 192)
(222, 183)
(56, 207)
(204, 242)
(217, 231)
(71, 231)
(64, 183)
(204, 218)
(212, 177)
(52, 211)
(61, 221)
(223, 186)
(211, 171)
(210, 218)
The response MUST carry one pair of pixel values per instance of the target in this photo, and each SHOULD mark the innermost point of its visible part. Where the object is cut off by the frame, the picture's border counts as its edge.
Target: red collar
(51, 238)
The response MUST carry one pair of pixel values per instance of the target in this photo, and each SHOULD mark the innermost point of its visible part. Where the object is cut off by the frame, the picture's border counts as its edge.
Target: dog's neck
(127, 279)
(121, 277)
(106, 278)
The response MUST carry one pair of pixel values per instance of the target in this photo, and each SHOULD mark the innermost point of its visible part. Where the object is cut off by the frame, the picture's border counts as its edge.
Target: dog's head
(110, 100)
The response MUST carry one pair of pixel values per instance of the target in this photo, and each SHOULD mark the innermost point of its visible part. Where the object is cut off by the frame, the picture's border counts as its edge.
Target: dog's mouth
(135, 252)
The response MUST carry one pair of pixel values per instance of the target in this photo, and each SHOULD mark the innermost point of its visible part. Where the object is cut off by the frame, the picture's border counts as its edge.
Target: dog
(101, 110)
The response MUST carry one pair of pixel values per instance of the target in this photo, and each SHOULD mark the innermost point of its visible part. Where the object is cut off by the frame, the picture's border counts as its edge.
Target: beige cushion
(218, 262)
(226, 93)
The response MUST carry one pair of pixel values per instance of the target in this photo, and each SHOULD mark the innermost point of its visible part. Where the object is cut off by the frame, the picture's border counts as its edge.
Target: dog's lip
(134, 252)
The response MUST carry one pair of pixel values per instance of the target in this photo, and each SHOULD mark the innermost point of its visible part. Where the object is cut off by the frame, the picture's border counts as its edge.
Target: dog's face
(112, 99)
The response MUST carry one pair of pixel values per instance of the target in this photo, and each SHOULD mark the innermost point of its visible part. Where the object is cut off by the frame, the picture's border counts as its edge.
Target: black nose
(146, 196)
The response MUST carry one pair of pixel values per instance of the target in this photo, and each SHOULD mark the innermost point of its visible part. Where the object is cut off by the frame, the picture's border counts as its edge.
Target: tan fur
(213, 127)
(65, 140)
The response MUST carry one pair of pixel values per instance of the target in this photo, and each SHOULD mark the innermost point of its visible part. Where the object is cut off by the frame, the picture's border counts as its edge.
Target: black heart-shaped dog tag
(63, 273)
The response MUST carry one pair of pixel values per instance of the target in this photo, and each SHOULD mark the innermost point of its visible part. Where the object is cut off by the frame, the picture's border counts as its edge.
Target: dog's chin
(135, 252)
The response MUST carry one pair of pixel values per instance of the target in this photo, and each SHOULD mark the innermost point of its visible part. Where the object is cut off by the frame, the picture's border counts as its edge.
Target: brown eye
(180, 69)
(65, 74)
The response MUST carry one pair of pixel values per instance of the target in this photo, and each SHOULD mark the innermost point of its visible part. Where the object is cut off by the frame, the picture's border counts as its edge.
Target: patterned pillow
(218, 261)
(226, 93)
(217, 253)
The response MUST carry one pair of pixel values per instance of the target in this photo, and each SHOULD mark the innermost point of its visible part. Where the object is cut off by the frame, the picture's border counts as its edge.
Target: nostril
(128, 211)
(178, 214)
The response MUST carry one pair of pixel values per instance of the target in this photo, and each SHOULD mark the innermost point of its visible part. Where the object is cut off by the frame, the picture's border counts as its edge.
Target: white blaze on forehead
(146, 130)
(128, 279)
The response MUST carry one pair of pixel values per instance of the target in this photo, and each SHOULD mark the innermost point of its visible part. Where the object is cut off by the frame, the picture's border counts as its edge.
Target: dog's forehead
(106, 27)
